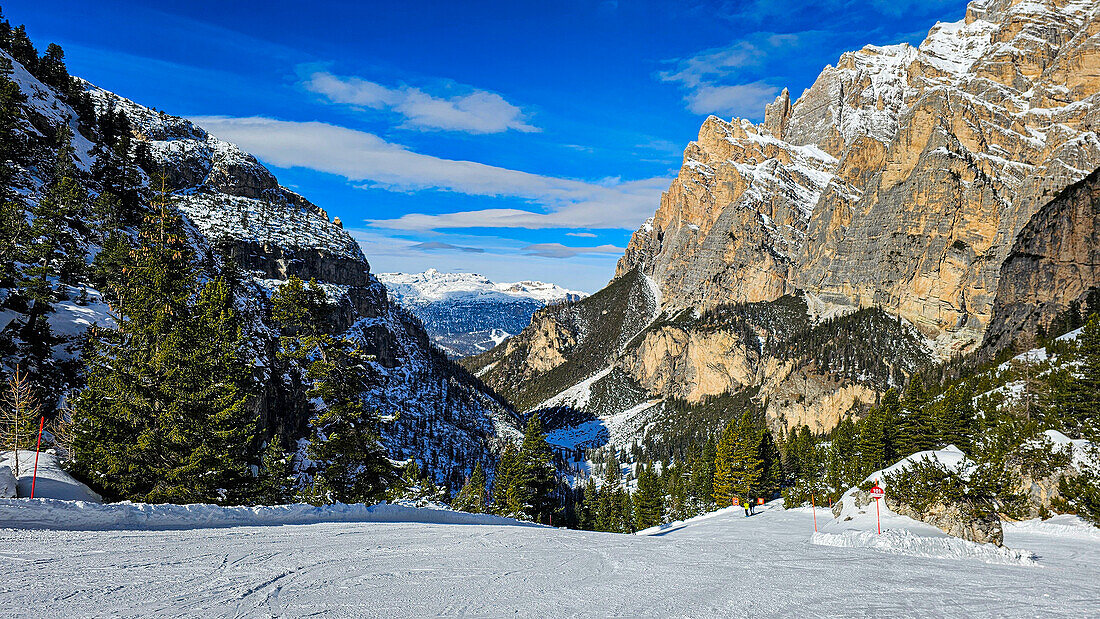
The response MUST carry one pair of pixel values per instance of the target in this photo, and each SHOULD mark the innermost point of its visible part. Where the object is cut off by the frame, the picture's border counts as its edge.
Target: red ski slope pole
(813, 509)
(34, 478)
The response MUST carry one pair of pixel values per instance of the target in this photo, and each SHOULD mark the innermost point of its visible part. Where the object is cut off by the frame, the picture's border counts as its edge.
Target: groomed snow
(84, 516)
(721, 565)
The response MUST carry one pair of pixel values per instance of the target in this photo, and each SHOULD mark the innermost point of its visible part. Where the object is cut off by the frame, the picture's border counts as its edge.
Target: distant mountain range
(466, 313)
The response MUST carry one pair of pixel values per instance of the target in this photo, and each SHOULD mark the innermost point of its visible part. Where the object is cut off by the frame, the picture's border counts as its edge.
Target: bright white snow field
(722, 564)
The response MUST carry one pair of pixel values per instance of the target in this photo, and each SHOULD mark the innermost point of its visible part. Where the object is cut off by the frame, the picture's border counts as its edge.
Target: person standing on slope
(745, 502)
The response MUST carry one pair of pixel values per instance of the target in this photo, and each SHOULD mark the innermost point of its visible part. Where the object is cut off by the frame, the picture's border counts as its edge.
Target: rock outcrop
(900, 178)
(1054, 262)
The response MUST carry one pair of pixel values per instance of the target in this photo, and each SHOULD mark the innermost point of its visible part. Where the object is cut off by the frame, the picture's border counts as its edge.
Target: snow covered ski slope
(719, 565)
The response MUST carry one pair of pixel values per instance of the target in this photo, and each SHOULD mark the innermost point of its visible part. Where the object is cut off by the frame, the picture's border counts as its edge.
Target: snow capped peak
(432, 285)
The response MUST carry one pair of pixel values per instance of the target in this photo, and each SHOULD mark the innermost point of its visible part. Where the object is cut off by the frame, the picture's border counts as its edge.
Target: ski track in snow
(721, 565)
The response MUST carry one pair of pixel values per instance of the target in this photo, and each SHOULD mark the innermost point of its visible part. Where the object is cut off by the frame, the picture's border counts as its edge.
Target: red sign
(759, 501)
(877, 493)
(736, 501)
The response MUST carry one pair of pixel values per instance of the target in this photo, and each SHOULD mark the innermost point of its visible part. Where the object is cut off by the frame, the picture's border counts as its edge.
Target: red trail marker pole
(34, 477)
(813, 510)
(877, 493)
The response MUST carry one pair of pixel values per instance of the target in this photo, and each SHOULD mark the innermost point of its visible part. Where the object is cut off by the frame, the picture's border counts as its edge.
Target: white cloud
(586, 235)
(708, 65)
(713, 78)
(557, 250)
(479, 111)
(365, 157)
(742, 100)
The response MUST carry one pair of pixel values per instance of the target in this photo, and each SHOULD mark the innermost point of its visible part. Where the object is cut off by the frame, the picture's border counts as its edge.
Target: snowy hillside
(466, 313)
(418, 564)
(237, 211)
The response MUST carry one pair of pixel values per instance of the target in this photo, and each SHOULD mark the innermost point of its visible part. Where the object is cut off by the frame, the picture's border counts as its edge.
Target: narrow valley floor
(723, 565)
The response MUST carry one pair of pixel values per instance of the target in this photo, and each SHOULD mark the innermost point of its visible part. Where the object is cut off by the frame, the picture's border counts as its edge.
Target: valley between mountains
(891, 282)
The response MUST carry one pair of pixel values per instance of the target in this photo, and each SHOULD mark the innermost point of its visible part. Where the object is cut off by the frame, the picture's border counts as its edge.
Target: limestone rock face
(958, 519)
(900, 178)
(1055, 261)
(692, 365)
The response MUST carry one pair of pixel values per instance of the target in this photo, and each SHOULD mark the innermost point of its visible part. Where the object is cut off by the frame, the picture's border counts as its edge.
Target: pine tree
(345, 440)
(276, 483)
(1084, 415)
(472, 496)
(166, 413)
(504, 481)
(537, 472)
(55, 250)
(724, 477)
(916, 430)
(51, 68)
(648, 499)
(877, 433)
(748, 465)
(954, 416)
(771, 476)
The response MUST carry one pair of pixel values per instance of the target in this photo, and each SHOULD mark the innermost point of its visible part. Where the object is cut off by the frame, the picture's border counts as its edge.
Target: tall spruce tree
(165, 415)
(648, 499)
(725, 489)
(345, 442)
(1083, 418)
(748, 465)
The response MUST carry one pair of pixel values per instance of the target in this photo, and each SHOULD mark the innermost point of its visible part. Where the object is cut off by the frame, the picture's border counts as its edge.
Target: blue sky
(520, 140)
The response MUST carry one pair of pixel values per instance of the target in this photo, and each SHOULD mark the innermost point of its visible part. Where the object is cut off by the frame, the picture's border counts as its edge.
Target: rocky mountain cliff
(238, 214)
(900, 178)
(804, 264)
(1054, 262)
(465, 313)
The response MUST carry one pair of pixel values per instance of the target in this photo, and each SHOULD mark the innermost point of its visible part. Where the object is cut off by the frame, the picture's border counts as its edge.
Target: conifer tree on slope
(724, 476)
(648, 503)
(915, 428)
(1084, 415)
(165, 415)
(472, 496)
(536, 472)
(345, 441)
(876, 436)
(748, 466)
(504, 481)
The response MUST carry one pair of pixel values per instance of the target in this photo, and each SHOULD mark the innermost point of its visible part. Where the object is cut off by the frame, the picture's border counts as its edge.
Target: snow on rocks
(7, 482)
(905, 542)
(53, 482)
(87, 516)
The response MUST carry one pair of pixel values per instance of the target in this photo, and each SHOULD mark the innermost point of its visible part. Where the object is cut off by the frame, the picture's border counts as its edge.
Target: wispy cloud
(744, 100)
(477, 111)
(585, 235)
(706, 77)
(364, 157)
(557, 250)
(434, 245)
